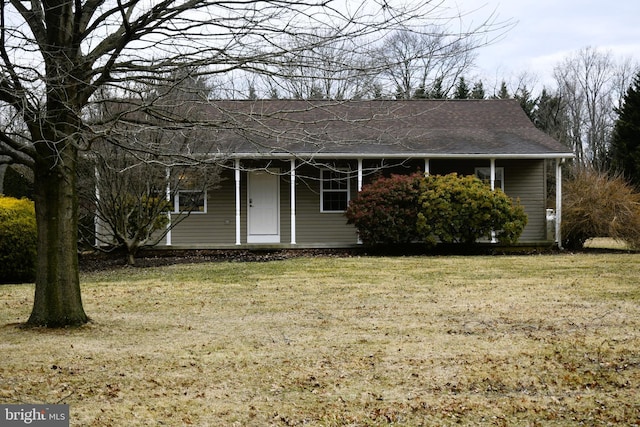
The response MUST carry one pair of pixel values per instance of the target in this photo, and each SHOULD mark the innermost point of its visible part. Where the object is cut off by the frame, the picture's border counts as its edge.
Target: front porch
(293, 203)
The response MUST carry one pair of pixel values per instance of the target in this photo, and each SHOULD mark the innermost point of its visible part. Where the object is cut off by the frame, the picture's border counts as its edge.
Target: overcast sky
(546, 31)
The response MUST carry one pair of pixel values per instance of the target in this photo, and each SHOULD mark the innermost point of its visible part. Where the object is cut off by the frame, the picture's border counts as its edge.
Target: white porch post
(168, 195)
(236, 167)
(492, 178)
(426, 167)
(359, 240)
(493, 174)
(96, 219)
(293, 201)
(558, 202)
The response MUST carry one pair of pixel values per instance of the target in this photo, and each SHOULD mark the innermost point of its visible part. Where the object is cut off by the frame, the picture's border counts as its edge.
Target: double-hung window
(485, 175)
(188, 192)
(334, 190)
(194, 201)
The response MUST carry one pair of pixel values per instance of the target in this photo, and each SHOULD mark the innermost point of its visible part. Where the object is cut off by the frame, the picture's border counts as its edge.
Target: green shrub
(385, 211)
(450, 209)
(18, 240)
(595, 204)
(463, 209)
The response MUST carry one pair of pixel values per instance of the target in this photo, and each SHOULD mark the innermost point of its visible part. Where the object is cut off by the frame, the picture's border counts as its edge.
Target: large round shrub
(385, 211)
(463, 209)
(18, 238)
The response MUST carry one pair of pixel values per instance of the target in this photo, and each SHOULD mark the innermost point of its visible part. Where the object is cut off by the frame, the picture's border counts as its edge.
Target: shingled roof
(381, 128)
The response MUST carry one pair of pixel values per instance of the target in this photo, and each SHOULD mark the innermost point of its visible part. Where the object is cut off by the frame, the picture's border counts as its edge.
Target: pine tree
(437, 91)
(420, 93)
(462, 90)
(503, 93)
(625, 143)
(551, 117)
(478, 91)
(527, 102)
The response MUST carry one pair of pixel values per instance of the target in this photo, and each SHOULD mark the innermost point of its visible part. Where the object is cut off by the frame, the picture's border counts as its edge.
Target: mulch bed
(97, 261)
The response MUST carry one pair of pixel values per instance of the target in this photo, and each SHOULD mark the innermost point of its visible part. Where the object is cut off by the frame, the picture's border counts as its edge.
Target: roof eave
(289, 156)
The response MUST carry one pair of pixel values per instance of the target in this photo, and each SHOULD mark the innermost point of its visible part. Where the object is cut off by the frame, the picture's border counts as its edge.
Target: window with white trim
(193, 201)
(334, 190)
(485, 175)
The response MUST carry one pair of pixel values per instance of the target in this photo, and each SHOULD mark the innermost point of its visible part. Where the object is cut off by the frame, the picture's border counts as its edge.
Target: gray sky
(547, 31)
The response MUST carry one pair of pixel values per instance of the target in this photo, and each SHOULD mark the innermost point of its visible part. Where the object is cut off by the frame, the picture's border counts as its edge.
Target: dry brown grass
(513, 340)
(607, 243)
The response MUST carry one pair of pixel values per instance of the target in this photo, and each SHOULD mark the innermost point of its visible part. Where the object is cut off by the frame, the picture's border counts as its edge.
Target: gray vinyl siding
(217, 225)
(314, 226)
(525, 180)
(285, 207)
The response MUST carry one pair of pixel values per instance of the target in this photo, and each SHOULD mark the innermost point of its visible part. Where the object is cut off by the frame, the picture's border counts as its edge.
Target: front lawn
(325, 341)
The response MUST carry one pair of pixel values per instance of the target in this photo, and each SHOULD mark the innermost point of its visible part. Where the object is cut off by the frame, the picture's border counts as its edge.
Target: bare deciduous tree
(130, 203)
(434, 56)
(57, 55)
(590, 84)
(337, 70)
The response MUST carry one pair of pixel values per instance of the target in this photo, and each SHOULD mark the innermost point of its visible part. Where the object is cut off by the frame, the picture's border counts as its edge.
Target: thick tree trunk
(57, 300)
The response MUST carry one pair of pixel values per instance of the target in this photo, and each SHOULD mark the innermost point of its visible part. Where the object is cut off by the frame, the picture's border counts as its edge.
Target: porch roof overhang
(353, 156)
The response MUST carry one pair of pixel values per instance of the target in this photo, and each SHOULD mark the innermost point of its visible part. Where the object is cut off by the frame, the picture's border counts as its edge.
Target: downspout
(293, 201)
(236, 168)
(426, 167)
(559, 202)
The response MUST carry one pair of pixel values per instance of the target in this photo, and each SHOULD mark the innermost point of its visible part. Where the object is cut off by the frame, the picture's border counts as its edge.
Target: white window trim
(487, 171)
(323, 191)
(176, 201)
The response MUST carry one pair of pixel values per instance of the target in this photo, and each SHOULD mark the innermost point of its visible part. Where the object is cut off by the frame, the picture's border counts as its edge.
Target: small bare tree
(144, 178)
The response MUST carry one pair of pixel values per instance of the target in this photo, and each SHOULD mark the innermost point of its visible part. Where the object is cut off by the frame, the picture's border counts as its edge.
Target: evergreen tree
(252, 92)
(436, 91)
(527, 102)
(478, 91)
(462, 89)
(503, 93)
(420, 93)
(550, 116)
(625, 143)
(378, 91)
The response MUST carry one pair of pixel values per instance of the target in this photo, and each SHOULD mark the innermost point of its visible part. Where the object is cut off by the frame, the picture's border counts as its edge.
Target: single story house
(293, 165)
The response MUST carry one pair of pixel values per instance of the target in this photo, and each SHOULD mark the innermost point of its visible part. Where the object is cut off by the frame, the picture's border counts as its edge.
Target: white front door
(263, 217)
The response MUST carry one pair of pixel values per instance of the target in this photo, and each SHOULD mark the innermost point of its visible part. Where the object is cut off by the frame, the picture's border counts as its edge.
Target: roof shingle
(384, 128)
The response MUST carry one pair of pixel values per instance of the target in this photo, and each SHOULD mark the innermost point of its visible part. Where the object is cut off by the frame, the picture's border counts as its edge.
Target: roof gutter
(346, 156)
